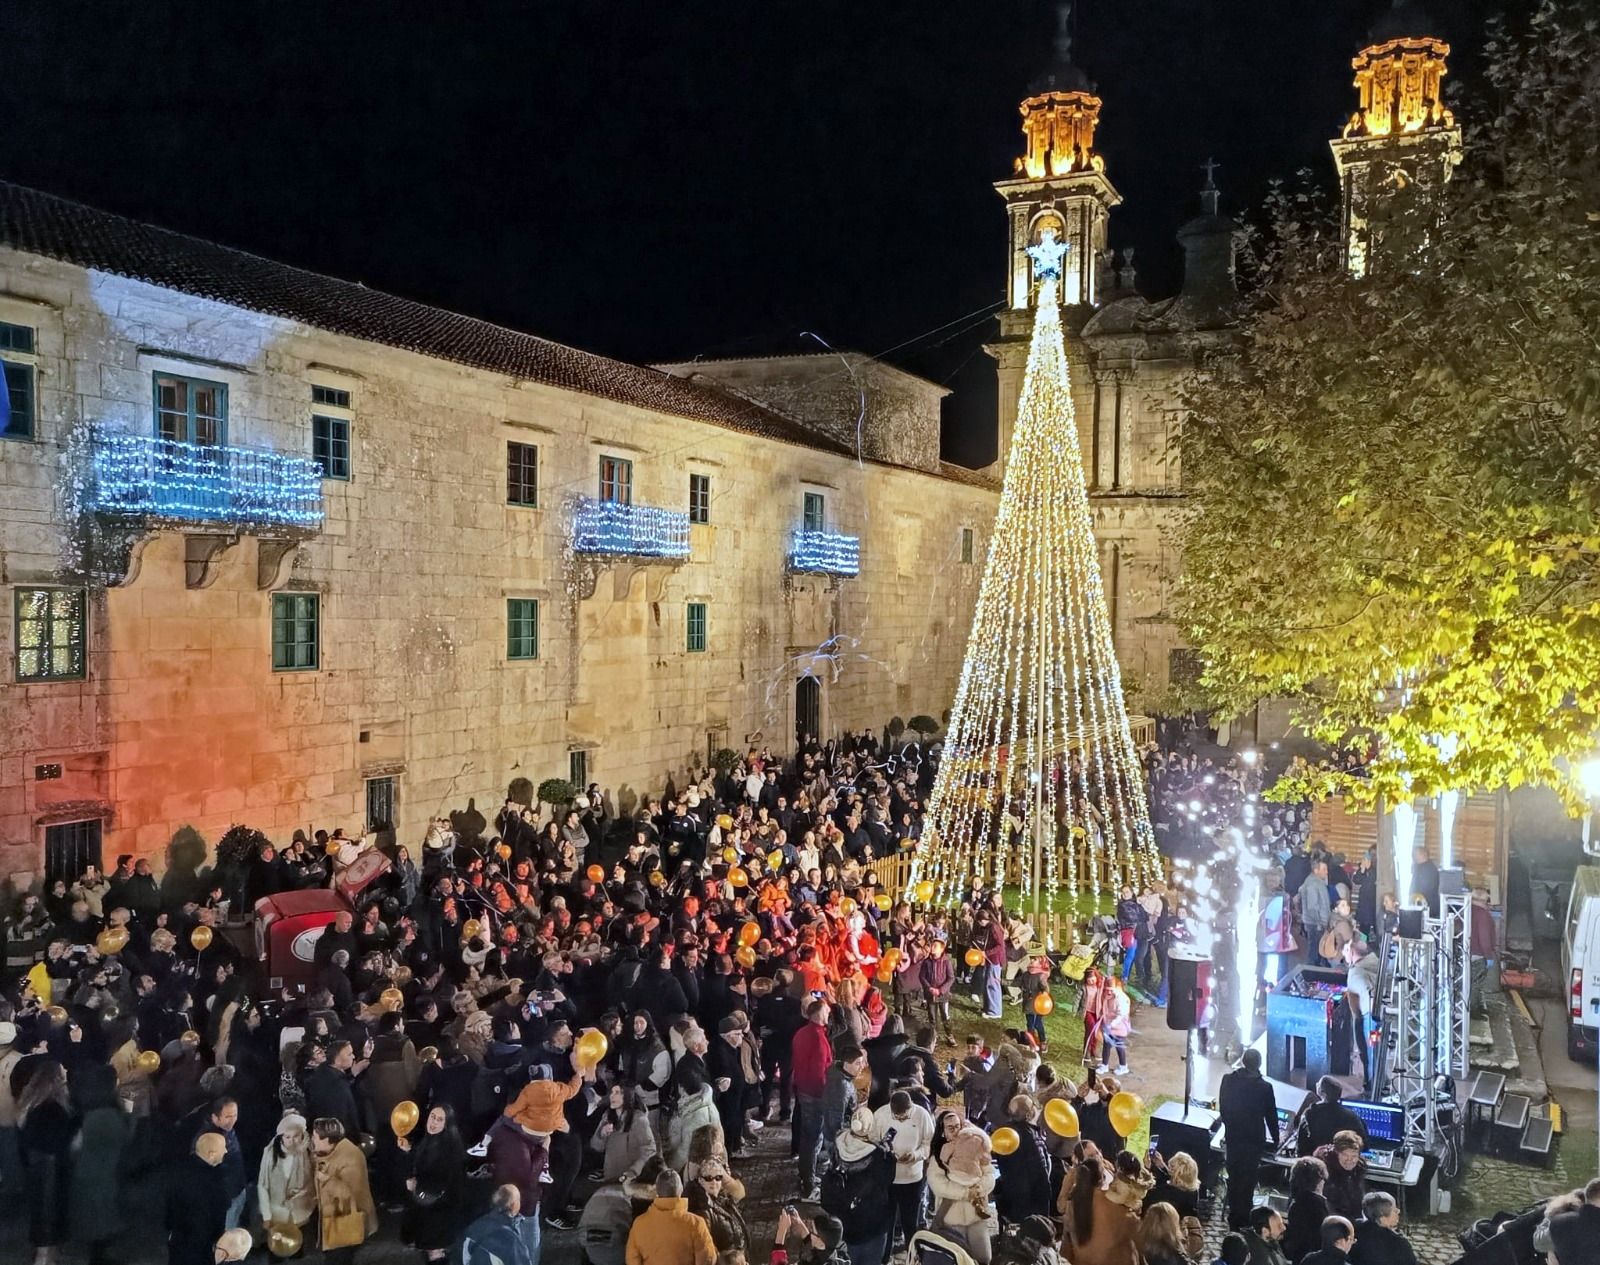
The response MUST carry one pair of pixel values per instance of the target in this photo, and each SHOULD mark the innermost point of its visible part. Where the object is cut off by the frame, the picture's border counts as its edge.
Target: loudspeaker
(1188, 991)
(1411, 923)
(1452, 881)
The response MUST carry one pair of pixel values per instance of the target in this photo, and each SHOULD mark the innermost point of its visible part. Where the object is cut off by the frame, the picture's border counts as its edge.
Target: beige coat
(342, 1189)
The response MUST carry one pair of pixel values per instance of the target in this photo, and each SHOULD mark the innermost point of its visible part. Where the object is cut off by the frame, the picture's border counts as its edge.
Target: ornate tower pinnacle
(1400, 146)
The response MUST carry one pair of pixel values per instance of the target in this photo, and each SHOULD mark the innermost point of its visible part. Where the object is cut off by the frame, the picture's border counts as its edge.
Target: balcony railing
(141, 476)
(825, 552)
(633, 531)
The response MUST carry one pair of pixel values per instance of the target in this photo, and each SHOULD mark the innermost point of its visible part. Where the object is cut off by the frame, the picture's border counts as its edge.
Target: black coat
(1248, 1110)
(1304, 1232)
(436, 1208)
(1027, 1184)
(1379, 1245)
(197, 1213)
(858, 1194)
(329, 1093)
(883, 1057)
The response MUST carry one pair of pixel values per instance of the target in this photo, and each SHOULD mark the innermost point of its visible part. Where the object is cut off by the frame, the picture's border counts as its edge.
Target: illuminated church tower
(1059, 184)
(1400, 147)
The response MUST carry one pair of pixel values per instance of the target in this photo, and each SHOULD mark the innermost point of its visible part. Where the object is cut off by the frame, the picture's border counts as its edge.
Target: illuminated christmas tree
(1040, 784)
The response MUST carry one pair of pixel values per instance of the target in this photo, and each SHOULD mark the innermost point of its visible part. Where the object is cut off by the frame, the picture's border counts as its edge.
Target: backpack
(493, 1088)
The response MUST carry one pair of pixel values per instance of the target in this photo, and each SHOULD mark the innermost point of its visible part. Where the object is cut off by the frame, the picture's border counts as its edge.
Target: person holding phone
(907, 1131)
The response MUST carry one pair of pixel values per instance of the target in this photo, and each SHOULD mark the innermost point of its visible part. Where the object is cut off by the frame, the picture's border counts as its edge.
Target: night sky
(671, 178)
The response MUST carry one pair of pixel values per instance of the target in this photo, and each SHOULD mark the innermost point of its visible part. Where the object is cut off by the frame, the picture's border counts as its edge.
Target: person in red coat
(813, 1054)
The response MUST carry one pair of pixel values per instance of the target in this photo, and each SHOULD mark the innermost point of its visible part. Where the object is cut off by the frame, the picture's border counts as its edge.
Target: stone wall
(183, 723)
(828, 392)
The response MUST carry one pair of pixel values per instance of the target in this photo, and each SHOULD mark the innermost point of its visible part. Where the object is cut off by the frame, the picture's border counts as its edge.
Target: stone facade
(853, 399)
(181, 721)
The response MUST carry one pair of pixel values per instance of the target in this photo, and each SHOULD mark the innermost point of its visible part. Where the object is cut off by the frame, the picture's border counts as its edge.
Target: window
(191, 411)
(522, 474)
(294, 632)
(699, 498)
(52, 635)
(967, 544)
(330, 445)
(381, 802)
(333, 397)
(616, 480)
(522, 628)
(16, 381)
(69, 848)
(578, 768)
(696, 627)
(815, 513)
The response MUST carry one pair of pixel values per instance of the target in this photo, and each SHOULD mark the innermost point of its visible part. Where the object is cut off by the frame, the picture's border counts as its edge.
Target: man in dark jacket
(1250, 1118)
(1265, 1237)
(329, 1089)
(1338, 1237)
(1327, 1117)
(883, 1057)
(1378, 1237)
(197, 1204)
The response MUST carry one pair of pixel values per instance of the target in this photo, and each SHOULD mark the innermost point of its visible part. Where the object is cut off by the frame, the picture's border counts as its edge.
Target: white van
(1580, 963)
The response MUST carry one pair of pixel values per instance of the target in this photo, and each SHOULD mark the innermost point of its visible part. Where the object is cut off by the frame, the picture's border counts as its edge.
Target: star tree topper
(1047, 256)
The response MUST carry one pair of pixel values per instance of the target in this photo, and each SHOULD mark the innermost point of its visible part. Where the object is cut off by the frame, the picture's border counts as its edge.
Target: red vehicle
(289, 924)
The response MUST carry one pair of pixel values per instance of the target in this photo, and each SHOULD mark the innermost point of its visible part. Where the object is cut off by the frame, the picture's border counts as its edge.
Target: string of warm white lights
(1040, 784)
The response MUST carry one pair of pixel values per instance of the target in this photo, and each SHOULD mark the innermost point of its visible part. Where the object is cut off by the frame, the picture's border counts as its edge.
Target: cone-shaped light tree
(1040, 784)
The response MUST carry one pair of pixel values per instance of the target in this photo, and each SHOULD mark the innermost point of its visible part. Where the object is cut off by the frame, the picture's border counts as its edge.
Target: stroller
(928, 1248)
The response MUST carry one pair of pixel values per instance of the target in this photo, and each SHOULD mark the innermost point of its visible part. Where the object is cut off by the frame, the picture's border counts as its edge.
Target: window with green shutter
(696, 630)
(294, 632)
(522, 628)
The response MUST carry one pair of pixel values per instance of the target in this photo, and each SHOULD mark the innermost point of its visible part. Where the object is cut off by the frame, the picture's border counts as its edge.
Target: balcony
(616, 529)
(824, 553)
(143, 477)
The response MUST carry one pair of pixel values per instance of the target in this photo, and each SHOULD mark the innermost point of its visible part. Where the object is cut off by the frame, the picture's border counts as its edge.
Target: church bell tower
(1059, 184)
(1399, 148)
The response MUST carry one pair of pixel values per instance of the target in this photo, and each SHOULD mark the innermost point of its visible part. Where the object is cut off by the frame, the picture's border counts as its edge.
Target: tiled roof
(42, 224)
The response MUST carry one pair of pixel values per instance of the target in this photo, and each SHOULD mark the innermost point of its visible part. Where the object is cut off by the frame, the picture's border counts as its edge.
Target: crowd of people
(585, 1023)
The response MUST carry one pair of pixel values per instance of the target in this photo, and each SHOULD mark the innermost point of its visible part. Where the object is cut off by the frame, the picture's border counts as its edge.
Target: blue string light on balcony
(826, 552)
(635, 531)
(142, 476)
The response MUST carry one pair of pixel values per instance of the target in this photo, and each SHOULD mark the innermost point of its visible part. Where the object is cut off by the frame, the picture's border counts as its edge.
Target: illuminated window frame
(62, 653)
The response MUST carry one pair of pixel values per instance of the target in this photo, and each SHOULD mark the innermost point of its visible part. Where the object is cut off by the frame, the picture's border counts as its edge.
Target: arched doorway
(807, 710)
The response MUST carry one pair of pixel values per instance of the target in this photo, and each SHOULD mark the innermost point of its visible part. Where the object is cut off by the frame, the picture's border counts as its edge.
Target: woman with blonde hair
(1178, 1184)
(1159, 1238)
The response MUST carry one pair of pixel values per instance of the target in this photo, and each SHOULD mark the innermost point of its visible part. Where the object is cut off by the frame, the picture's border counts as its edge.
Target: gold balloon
(471, 929)
(404, 1118)
(112, 940)
(725, 821)
(189, 1037)
(56, 1014)
(1126, 1111)
(148, 1061)
(885, 972)
(749, 934)
(504, 851)
(429, 1054)
(775, 859)
(847, 906)
(392, 999)
(738, 877)
(1005, 1141)
(730, 855)
(974, 957)
(883, 901)
(596, 873)
(283, 1239)
(591, 1048)
(745, 956)
(1043, 1004)
(200, 937)
(1061, 1117)
(924, 891)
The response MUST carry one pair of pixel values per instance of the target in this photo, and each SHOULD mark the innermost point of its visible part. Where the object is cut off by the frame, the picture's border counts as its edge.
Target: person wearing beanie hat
(856, 1188)
(286, 1183)
(667, 1233)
